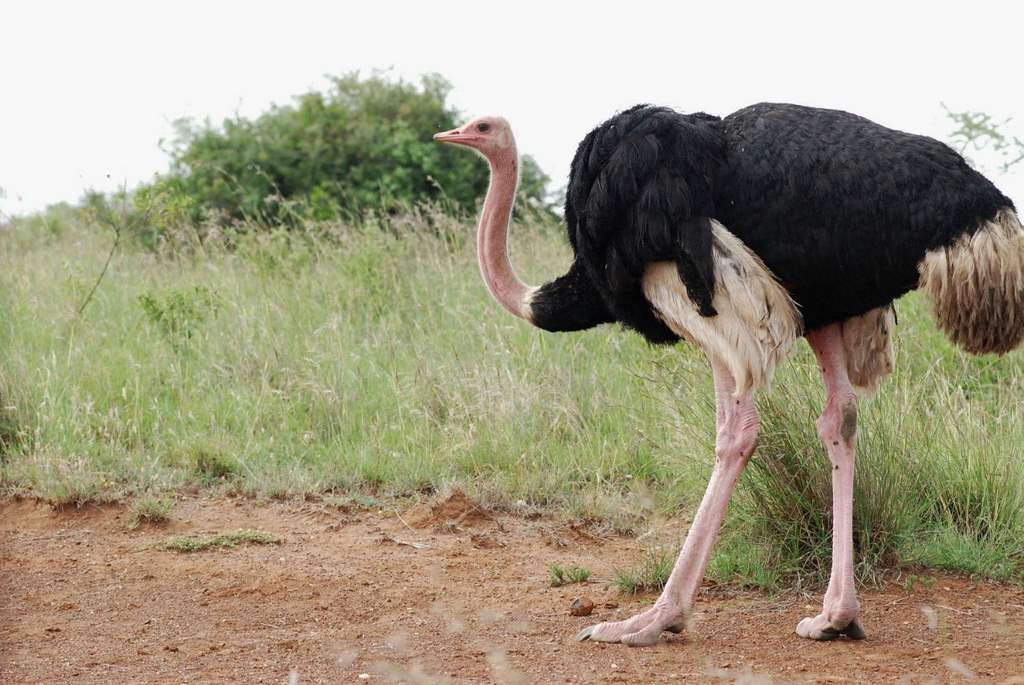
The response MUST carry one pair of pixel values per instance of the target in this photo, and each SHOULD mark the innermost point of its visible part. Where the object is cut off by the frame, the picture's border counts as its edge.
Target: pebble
(581, 606)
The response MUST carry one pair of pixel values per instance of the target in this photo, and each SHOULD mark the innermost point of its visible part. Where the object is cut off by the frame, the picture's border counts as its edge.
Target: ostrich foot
(821, 627)
(640, 631)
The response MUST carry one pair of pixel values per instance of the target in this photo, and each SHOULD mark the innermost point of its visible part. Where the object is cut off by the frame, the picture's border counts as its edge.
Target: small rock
(364, 676)
(581, 606)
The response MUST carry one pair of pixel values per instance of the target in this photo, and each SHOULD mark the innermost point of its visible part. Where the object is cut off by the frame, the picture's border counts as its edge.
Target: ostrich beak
(454, 136)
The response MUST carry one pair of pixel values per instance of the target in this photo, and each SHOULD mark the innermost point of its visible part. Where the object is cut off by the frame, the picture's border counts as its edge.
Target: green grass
(566, 575)
(151, 509)
(188, 543)
(650, 575)
(369, 362)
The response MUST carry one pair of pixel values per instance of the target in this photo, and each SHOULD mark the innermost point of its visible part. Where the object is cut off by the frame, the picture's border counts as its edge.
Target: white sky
(87, 89)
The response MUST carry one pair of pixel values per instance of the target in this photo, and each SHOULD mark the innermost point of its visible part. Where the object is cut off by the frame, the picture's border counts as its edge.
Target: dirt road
(344, 599)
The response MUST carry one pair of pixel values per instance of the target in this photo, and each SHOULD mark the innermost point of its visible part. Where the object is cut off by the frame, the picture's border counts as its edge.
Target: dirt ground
(345, 599)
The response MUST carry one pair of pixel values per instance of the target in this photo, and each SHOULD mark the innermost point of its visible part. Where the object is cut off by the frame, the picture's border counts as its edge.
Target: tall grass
(364, 357)
(370, 359)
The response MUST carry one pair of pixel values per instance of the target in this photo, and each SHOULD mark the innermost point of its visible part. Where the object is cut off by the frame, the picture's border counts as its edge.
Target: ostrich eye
(483, 127)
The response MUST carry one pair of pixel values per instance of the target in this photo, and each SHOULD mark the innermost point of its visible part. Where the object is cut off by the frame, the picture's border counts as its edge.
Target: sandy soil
(344, 599)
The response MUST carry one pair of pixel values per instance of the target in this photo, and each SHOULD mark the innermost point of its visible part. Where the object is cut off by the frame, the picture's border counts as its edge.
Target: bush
(180, 313)
(362, 145)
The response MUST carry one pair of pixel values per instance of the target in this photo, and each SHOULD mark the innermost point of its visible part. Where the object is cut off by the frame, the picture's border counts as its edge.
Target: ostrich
(742, 234)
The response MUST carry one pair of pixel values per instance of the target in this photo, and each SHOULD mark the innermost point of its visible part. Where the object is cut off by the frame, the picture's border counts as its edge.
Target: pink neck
(492, 236)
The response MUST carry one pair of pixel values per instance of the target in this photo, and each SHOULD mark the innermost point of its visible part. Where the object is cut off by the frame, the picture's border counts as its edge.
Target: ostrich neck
(492, 237)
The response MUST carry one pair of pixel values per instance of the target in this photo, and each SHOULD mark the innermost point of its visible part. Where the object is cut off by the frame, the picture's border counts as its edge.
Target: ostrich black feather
(839, 208)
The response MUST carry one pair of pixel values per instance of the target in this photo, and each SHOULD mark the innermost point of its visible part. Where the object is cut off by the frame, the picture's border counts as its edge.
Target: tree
(362, 144)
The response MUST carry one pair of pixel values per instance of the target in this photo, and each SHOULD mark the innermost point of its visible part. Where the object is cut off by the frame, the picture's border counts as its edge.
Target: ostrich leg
(837, 428)
(737, 434)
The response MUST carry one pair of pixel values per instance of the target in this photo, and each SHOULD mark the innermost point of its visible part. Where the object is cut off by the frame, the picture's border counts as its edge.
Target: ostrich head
(490, 136)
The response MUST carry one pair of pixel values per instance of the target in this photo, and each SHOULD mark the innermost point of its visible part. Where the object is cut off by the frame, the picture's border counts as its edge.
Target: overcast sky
(88, 89)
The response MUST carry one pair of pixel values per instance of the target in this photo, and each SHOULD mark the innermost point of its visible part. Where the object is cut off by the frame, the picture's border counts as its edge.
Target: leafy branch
(979, 131)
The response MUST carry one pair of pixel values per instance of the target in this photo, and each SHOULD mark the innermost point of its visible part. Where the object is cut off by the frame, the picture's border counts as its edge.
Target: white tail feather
(976, 286)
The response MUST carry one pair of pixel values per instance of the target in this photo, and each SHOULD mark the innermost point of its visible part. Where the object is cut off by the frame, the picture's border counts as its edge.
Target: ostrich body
(741, 235)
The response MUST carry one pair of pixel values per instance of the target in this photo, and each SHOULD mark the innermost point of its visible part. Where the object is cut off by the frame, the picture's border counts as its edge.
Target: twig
(99, 279)
(118, 228)
(956, 611)
(411, 529)
(415, 545)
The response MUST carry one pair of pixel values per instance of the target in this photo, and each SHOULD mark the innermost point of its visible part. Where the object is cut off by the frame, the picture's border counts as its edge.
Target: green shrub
(363, 144)
(178, 314)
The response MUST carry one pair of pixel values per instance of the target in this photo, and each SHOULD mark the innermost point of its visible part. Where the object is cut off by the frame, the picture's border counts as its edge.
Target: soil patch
(360, 596)
(454, 509)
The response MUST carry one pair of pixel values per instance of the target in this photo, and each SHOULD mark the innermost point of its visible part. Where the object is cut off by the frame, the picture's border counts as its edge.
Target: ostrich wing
(640, 191)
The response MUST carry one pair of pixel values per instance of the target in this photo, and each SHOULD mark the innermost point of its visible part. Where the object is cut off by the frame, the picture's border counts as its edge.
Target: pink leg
(837, 428)
(737, 434)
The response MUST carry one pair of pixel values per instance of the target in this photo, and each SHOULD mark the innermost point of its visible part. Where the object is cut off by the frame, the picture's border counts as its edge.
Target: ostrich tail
(976, 286)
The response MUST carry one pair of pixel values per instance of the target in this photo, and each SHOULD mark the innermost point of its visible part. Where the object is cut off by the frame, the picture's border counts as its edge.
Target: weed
(739, 561)
(178, 314)
(913, 580)
(188, 543)
(964, 552)
(565, 575)
(9, 433)
(213, 466)
(650, 575)
(149, 508)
